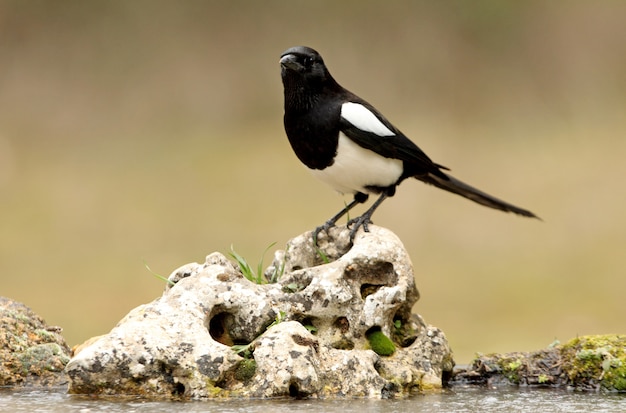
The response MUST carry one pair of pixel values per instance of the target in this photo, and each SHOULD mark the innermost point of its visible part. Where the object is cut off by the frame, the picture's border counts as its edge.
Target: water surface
(459, 399)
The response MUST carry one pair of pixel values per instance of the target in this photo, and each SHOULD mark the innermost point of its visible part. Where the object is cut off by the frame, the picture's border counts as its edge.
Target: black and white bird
(348, 144)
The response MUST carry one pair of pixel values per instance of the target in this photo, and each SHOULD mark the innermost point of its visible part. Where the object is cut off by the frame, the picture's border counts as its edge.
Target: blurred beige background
(152, 130)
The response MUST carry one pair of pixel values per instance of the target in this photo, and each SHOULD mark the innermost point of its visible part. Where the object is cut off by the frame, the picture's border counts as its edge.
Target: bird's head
(302, 66)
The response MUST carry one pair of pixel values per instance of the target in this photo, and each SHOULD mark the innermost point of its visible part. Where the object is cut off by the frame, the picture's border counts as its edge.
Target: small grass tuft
(322, 255)
(257, 277)
(159, 276)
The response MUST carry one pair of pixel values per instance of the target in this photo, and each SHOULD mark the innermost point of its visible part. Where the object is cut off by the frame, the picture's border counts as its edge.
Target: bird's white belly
(355, 168)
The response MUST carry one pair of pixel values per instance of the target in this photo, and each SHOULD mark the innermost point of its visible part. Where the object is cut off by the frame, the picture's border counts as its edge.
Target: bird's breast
(356, 169)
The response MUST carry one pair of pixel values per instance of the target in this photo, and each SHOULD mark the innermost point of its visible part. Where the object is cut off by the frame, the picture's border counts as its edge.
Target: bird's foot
(359, 222)
(324, 227)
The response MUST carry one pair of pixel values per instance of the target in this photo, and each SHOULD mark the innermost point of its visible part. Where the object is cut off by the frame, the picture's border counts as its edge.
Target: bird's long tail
(455, 186)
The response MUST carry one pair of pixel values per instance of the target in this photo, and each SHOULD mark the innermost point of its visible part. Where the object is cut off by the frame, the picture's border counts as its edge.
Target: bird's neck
(302, 97)
(299, 98)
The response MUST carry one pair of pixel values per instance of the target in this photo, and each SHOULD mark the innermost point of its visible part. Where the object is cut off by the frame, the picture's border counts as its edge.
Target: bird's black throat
(313, 133)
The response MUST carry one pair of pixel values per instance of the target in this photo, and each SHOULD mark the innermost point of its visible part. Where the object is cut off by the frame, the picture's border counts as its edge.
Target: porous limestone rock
(303, 336)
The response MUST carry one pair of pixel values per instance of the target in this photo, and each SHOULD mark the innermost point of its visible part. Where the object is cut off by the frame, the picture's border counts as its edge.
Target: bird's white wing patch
(364, 119)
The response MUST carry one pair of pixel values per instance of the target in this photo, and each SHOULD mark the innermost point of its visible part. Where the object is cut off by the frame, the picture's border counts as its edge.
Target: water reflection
(470, 399)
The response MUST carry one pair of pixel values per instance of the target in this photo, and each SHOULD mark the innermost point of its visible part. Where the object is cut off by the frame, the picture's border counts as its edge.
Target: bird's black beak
(290, 61)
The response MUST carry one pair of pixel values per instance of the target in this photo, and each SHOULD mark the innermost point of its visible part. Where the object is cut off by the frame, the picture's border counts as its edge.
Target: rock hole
(295, 281)
(342, 324)
(294, 391)
(368, 289)
(389, 390)
(404, 331)
(446, 376)
(378, 272)
(218, 330)
(343, 344)
(310, 323)
(371, 276)
(229, 329)
(342, 327)
(178, 390)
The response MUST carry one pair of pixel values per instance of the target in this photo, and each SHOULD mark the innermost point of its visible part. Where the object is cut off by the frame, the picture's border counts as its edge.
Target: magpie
(345, 142)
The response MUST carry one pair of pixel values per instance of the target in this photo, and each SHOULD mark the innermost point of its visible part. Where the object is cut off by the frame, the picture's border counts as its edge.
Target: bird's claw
(359, 222)
(324, 227)
(354, 224)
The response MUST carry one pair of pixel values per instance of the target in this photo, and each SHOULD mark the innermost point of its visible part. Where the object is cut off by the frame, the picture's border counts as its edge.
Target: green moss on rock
(596, 362)
(245, 370)
(380, 343)
(511, 368)
(587, 363)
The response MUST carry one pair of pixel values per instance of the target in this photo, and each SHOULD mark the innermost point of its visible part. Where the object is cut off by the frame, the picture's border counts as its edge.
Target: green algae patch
(596, 362)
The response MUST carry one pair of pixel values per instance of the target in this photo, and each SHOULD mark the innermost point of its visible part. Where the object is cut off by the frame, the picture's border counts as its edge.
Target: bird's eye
(308, 61)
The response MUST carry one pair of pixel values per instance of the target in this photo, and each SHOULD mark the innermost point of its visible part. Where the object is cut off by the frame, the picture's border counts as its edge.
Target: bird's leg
(366, 218)
(359, 198)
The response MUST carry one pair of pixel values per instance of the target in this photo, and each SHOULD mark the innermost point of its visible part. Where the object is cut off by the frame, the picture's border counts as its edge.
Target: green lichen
(45, 336)
(596, 362)
(380, 343)
(43, 357)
